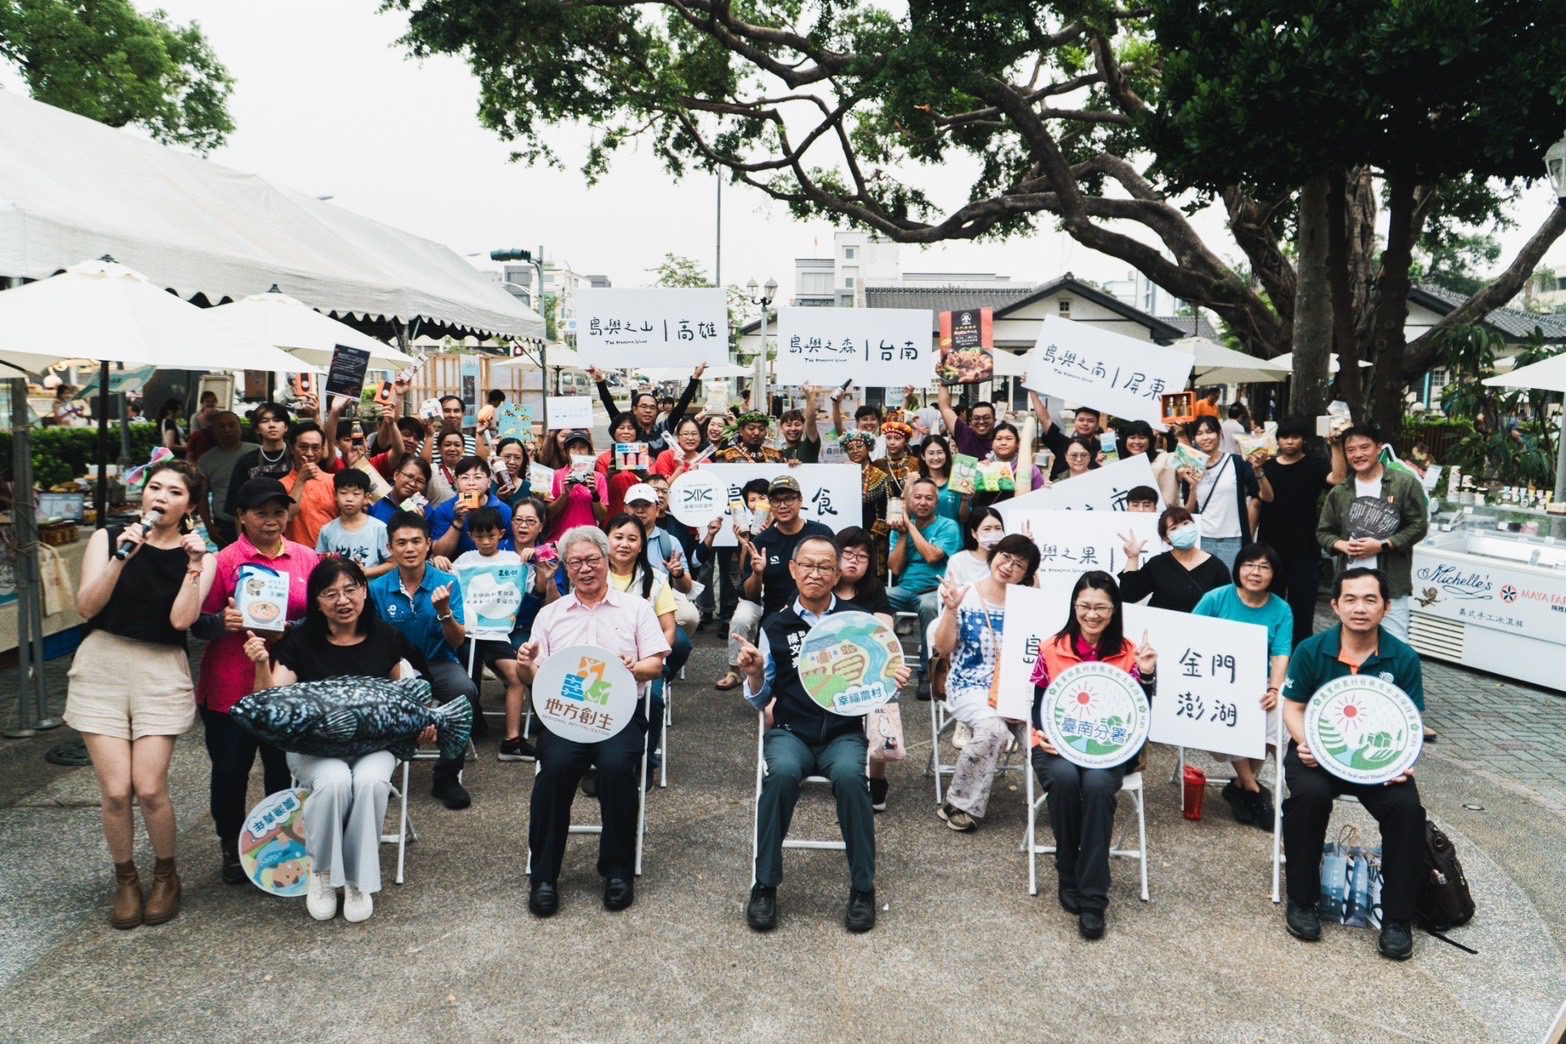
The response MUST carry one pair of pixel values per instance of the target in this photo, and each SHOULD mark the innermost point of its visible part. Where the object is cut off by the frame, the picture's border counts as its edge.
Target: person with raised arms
(805, 739)
(1360, 643)
(623, 624)
(644, 409)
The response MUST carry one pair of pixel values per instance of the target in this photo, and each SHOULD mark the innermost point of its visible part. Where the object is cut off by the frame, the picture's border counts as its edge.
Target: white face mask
(989, 540)
(1183, 538)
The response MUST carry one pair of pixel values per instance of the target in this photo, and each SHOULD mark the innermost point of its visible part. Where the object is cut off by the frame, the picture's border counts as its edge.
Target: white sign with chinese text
(1108, 371)
(1102, 489)
(662, 326)
(1073, 542)
(1212, 674)
(832, 492)
(873, 347)
(569, 411)
(1032, 618)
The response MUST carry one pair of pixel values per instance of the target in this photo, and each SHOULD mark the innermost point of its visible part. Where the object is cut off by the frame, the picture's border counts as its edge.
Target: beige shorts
(128, 689)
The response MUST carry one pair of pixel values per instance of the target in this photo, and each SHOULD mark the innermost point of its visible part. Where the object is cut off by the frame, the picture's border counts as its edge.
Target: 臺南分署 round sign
(584, 694)
(272, 844)
(1363, 729)
(848, 663)
(696, 498)
(1095, 715)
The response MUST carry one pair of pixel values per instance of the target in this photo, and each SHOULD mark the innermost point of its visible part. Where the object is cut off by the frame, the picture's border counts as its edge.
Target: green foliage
(62, 454)
(105, 60)
(679, 271)
(1513, 440)
(1457, 261)
(551, 316)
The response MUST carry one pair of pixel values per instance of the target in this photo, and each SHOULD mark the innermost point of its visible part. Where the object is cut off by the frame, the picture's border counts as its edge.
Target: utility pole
(536, 259)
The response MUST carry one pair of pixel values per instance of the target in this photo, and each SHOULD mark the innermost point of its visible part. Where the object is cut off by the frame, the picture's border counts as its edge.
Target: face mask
(989, 540)
(1183, 538)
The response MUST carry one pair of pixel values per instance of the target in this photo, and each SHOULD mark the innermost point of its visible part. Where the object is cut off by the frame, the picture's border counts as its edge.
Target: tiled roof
(1512, 323)
(1192, 325)
(943, 298)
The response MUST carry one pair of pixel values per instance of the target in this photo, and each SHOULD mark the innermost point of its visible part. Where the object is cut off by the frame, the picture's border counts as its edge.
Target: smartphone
(384, 396)
(304, 384)
(545, 553)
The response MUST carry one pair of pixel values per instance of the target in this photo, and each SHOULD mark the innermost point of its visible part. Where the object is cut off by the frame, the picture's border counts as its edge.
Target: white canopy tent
(1286, 360)
(290, 324)
(72, 188)
(1216, 364)
(1546, 375)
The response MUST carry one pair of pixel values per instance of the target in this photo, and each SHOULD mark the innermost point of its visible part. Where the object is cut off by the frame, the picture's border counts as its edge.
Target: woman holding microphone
(130, 692)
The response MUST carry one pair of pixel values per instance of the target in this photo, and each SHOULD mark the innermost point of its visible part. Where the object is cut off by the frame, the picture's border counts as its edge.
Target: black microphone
(150, 519)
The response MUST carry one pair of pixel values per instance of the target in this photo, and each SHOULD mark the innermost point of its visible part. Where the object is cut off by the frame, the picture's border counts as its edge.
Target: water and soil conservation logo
(1363, 729)
(1095, 715)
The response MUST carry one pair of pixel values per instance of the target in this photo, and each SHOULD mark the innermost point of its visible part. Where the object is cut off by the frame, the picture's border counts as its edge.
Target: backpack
(1444, 899)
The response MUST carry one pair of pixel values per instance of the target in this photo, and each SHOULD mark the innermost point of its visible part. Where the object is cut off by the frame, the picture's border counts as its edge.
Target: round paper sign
(696, 498)
(1095, 715)
(1363, 729)
(272, 844)
(848, 663)
(584, 694)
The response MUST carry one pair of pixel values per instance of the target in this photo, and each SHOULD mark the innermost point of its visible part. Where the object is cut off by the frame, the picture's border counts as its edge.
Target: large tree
(107, 61)
(1079, 112)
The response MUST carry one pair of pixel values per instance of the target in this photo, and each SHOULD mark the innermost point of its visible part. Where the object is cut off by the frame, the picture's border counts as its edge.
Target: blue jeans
(927, 604)
(1224, 549)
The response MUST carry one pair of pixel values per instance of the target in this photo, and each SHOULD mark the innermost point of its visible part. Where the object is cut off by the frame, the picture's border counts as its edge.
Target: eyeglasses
(1009, 561)
(1094, 609)
(1256, 567)
(584, 563)
(855, 556)
(817, 568)
(341, 594)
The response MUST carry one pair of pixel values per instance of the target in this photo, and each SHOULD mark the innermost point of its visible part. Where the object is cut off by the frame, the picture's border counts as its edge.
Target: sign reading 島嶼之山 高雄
(620, 328)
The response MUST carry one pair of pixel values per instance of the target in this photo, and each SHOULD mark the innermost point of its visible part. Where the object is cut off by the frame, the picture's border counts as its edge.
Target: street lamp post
(758, 397)
(536, 259)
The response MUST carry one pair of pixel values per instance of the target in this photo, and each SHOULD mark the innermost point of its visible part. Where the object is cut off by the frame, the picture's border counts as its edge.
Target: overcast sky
(325, 102)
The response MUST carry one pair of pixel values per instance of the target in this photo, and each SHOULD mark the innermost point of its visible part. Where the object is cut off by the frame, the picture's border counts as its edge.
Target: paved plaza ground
(961, 952)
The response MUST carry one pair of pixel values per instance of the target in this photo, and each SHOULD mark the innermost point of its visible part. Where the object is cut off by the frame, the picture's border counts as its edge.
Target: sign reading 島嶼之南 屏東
(1104, 370)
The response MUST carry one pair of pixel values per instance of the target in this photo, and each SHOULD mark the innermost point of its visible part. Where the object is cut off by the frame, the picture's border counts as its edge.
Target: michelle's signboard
(1095, 715)
(1528, 600)
(1363, 729)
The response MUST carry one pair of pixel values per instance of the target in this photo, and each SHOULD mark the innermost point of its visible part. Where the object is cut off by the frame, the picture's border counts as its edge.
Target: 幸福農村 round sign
(696, 498)
(848, 663)
(1095, 715)
(584, 694)
(1363, 729)
(272, 844)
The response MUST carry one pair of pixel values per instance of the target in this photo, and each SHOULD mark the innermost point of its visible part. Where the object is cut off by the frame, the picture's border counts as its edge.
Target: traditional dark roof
(943, 298)
(1192, 326)
(1156, 327)
(1513, 324)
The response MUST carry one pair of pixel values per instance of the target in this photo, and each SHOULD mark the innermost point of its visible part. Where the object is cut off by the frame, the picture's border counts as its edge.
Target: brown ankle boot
(163, 901)
(127, 896)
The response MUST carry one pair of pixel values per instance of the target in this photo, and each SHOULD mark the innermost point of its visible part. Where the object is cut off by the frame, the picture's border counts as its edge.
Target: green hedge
(61, 454)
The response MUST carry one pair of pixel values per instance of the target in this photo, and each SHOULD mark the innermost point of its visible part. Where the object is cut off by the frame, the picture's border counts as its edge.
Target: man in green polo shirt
(1359, 644)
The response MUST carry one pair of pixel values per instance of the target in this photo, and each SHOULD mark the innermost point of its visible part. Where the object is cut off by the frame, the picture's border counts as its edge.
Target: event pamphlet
(261, 596)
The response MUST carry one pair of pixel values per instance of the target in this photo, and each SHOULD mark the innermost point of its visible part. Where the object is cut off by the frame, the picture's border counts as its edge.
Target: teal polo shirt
(1318, 660)
(920, 576)
(415, 617)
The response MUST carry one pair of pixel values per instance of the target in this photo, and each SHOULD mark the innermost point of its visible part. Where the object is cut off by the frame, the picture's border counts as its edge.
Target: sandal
(729, 681)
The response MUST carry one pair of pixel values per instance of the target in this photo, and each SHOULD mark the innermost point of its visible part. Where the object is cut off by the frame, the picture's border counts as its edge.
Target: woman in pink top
(578, 500)
(671, 463)
(228, 675)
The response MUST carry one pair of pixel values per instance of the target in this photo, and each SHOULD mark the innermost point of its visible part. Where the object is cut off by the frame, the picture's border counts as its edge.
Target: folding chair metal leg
(940, 720)
(1137, 790)
(405, 828)
(1277, 811)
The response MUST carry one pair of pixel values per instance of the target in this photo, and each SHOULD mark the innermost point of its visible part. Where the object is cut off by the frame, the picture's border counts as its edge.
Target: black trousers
(1082, 816)
(233, 752)
(562, 763)
(1301, 577)
(448, 681)
(1307, 810)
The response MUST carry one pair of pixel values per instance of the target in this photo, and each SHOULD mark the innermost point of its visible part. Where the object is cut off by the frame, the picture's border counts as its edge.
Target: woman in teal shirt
(1250, 600)
(935, 464)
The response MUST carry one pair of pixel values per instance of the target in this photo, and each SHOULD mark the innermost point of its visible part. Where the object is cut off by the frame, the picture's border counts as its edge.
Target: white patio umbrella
(103, 311)
(288, 323)
(680, 373)
(556, 354)
(1545, 375)
(1216, 364)
(1286, 360)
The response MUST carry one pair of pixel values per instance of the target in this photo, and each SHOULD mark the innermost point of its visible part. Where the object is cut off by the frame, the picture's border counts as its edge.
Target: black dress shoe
(1240, 803)
(861, 911)
(589, 784)
(1069, 901)
(1090, 923)
(619, 893)
(233, 870)
(451, 793)
(1397, 940)
(923, 691)
(542, 899)
(1303, 922)
(761, 913)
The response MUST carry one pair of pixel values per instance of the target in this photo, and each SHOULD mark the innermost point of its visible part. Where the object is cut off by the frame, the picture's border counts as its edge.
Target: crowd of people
(416, 546)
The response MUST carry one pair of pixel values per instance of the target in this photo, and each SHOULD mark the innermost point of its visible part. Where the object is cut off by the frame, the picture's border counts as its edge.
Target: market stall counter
(1490, 592)
(68, 542)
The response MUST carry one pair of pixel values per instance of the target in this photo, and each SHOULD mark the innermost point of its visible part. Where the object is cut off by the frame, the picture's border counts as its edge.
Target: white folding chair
(1131, 784)
(641, 796)
(788, 842)
(663, 735)
(405, 831)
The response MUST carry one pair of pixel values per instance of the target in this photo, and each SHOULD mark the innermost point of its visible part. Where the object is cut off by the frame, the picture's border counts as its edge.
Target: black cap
(258, 491)
(579, 435)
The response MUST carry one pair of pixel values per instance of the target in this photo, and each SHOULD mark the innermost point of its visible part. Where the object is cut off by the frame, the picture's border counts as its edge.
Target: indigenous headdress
(897, 427)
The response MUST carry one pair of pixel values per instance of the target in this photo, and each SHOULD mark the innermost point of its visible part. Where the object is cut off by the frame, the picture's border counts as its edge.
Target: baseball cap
(784, 484)
(641, 491)
(578, 435)
(258, 491)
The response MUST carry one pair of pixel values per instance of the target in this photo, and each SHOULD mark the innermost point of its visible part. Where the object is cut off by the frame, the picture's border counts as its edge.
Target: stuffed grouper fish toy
(349, 717)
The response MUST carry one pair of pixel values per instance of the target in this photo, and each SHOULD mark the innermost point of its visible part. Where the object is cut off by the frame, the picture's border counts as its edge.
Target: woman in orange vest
(1082, 801)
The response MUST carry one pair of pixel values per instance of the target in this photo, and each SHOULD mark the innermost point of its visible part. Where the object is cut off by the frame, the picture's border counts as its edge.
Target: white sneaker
(961, 735)
(321, 900)
(357, 905)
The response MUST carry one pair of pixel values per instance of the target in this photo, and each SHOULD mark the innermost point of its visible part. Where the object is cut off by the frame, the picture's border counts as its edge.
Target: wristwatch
(443, 619)
(1386, 547)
